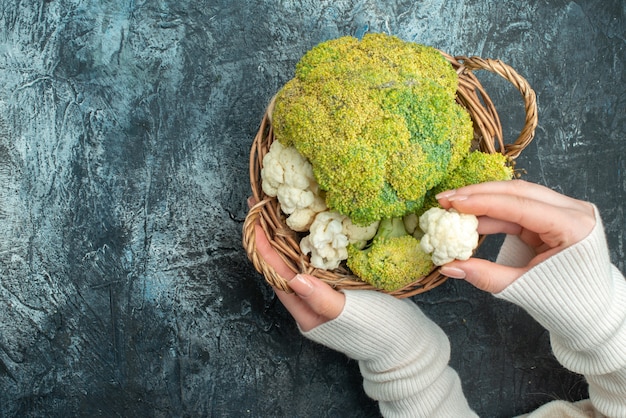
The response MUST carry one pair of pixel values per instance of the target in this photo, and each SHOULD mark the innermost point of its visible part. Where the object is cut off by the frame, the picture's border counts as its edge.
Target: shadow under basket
(266, 213)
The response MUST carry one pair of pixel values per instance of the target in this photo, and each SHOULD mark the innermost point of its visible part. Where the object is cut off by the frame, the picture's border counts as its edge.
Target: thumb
(313, 301)
(319, 296)
(483, 274)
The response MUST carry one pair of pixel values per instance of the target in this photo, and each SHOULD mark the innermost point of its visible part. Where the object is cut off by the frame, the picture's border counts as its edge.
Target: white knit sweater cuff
(403, 355)
(578, 295)
(381, 330)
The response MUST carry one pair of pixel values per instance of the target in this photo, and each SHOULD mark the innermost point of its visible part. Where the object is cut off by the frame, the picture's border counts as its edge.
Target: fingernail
(452, 272)
(250, 202)
(445, 195)
(457, 198)
(301, 285)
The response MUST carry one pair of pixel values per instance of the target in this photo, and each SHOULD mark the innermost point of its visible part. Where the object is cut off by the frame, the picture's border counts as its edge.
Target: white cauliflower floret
(448, 235)
(300, 219)
(285, 165)
(326, 242)
(359, 235)
(288, 176)
(330, 235)
(292, 198)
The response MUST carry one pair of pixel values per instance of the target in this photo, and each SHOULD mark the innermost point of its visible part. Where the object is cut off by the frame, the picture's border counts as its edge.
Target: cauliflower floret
(288, 176)
(448, 235)
(300, 219)
(326, 242)
(292, 198)
(359, 235)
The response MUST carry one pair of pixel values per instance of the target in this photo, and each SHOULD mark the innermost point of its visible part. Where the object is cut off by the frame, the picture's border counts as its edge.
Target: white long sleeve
(580, 298)
(403, 356)
(577, 295)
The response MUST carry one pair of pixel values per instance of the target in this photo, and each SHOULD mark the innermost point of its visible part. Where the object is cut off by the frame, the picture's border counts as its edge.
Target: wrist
(578, 296)
(372, 326)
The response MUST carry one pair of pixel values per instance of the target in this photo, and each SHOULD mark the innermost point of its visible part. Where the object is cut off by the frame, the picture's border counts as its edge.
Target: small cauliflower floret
(300, 219)
(359, 235)
(326, 242)
(291, 199)
(288, 176)
(448, 235)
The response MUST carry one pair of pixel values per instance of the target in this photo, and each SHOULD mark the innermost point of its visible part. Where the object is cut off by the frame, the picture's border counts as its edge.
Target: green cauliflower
(377, 119)
(392, 260)
(476, 167)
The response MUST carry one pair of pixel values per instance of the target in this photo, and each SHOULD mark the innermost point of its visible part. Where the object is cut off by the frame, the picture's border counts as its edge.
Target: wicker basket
(488, 138)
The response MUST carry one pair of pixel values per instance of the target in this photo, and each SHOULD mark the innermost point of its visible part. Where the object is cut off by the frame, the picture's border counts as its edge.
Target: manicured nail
(301, 285)
(250, 202)
(452, 272)
(457, 198)
(445, 195)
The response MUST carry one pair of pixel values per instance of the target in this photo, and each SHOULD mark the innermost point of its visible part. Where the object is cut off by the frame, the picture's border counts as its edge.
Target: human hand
(543, 219)
(313, 301)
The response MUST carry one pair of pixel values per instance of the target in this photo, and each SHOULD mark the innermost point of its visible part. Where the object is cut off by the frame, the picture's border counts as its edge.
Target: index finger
(528, 213)
(557, 226)
(516, 187)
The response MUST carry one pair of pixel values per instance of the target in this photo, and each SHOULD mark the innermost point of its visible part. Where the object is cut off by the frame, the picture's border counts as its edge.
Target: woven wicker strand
(267, 217)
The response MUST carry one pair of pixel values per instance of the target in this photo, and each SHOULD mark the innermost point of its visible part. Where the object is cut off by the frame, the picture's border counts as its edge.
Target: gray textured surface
(124, 135)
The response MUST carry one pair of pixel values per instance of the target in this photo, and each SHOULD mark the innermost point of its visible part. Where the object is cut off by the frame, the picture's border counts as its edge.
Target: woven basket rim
(488, 136)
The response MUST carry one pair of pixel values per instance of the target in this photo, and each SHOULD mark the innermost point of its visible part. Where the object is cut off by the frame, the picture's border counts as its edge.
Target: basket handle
(528, 94)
